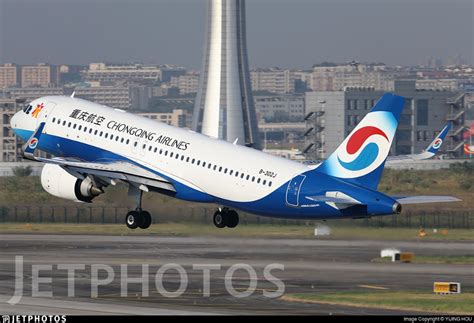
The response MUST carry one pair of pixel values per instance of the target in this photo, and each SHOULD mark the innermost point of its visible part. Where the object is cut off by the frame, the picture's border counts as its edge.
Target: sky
(284, 33)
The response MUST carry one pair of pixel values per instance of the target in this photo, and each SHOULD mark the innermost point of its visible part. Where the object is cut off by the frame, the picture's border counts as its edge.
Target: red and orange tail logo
(37, 110)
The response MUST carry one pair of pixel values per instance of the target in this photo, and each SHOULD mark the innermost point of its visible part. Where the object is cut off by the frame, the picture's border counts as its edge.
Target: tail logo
(33, 143)
(437, 143)
(355, 158)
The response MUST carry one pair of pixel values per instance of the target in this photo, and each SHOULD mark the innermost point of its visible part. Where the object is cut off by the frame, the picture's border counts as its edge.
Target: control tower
(224, 105)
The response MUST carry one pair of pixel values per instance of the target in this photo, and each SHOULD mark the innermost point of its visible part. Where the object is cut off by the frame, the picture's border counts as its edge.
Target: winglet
(72, 95)
(30, 146)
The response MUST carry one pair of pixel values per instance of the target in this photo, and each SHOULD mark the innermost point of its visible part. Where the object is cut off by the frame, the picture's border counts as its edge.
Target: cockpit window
(27, 109)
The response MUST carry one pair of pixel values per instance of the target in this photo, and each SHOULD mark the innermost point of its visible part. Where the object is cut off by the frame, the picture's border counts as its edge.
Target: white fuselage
(236, 173)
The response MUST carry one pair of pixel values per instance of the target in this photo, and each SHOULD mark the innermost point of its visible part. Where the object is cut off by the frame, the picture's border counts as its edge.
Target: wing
(424, 199)
(106, 171)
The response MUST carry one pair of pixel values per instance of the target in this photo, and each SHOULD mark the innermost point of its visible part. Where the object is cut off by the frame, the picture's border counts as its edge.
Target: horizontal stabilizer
(324, 198)
(424, 199)
(337, 200)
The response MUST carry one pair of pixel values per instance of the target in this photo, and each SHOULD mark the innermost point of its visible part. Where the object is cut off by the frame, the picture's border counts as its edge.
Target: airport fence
(116, 214)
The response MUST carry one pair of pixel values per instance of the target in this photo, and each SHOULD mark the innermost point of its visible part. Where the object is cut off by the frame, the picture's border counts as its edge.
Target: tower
(224, 105)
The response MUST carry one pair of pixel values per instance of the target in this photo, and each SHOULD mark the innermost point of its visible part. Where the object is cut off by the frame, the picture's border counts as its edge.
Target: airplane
(428, 153)
(97, 146)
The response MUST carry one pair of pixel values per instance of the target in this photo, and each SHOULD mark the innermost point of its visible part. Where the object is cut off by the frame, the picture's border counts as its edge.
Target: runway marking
(372, 287)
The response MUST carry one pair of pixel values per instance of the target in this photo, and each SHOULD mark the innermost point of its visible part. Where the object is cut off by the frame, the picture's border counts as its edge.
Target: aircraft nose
(14, 121)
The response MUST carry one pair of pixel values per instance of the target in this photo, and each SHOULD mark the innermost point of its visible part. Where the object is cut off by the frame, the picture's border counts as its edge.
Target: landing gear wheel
(219, 219)
(232, 219)
(146, 220)
(133, 219)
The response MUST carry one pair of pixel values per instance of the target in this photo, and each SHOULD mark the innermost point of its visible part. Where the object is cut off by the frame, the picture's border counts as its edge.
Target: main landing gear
(226, 218)
(138, 218)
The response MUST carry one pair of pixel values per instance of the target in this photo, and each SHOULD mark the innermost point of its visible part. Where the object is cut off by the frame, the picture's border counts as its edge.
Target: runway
(310, 266)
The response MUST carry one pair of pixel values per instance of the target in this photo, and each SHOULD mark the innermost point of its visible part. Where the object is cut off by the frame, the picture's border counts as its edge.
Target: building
(109, 73)
(334, 77)
(31, 93)
(178, 118)
(438, 84)
(273, 80)
(332, 115)
(112, 96)
(8, 76)
(280, 108)
(282, 135)
(41, 75)
(224, 104)
(186, 84)
(10, 147)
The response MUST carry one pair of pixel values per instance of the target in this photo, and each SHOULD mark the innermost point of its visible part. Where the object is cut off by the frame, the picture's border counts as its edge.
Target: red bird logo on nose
(37, 110)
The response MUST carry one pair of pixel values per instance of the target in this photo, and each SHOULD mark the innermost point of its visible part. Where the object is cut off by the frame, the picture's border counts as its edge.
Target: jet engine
(58, 182)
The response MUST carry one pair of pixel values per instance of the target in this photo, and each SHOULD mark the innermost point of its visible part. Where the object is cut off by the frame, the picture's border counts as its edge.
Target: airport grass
(187, 229)
(457, 260)
(397, 300)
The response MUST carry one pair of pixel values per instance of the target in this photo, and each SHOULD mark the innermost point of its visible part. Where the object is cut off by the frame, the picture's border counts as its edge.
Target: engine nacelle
(58, 182)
